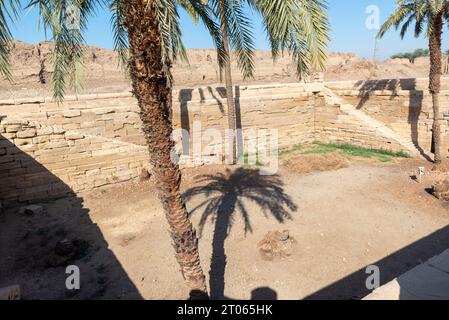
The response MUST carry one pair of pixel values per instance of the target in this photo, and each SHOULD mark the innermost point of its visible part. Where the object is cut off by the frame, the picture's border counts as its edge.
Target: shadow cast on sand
(354, 285)
(225, 195)
(28, 241)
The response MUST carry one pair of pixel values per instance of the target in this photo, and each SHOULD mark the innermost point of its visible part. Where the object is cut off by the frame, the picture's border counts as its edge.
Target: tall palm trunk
(154, 96)
(435, 81)
(229, 87)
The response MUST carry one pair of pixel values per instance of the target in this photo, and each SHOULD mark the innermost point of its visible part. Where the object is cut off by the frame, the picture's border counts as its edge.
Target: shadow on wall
(29, 239)
(223, 196)
(416, 98)
(186, 95)
(392, 266)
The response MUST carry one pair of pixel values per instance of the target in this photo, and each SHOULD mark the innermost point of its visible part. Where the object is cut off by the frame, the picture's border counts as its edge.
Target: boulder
(441, 190)
(276, 245)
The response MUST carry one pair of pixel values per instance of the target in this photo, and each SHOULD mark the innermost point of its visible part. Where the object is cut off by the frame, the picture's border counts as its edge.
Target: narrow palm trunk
(229, 88)
(435, 82)
(154, 96)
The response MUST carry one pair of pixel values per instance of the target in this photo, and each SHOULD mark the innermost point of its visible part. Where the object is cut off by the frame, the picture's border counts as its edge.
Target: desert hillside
(32, 68)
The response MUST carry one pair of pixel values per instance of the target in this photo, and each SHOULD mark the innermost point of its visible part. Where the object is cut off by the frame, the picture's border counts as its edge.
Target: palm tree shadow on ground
(225, 194)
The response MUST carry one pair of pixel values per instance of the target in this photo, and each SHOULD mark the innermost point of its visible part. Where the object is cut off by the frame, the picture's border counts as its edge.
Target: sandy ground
(342, 221)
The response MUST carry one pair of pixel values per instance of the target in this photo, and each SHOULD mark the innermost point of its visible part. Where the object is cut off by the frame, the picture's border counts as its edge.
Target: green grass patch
(382, 155)
(347, 150)
(287, 151)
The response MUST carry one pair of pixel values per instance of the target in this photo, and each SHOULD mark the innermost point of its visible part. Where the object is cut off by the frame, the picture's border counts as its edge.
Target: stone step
(369, 122)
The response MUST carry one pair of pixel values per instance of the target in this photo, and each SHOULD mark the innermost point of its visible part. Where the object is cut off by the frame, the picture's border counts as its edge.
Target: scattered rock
(144, 175)
(64, 248)
(55, 261)
(67, 250)
(31, 210)
(276, 245)
(441, 190)
(441, 167)
(74, 136)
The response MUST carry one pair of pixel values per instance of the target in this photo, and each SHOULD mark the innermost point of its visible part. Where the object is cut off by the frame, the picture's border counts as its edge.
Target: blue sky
(348, 21)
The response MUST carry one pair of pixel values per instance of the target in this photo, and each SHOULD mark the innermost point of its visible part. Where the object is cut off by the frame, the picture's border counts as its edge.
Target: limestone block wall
(334, 124)
(48, 150)
(83, 143)
(93, 140)
(403, 105)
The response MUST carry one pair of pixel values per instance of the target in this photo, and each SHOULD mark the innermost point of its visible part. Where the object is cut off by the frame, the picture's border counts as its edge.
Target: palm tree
(298, 25)
(433, 13)
(151, 30)
(8, 11)
(147, 35)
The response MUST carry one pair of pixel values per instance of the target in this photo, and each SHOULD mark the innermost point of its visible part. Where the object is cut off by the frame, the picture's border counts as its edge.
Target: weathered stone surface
(97, 140)
(276, 245)
(64, 248)
(441, 190)
(28, 133)
(72, 113)
(13, 128)
(74, 135)
(31, 210)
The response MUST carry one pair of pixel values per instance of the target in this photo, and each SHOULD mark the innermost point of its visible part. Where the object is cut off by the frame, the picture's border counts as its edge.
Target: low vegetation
(411, 56)
(349, 151)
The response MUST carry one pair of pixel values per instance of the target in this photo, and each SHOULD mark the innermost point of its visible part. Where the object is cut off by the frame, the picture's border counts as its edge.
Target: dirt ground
(342, 220)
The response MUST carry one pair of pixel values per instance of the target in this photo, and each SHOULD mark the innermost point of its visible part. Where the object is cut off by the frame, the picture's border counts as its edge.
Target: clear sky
(348, 20)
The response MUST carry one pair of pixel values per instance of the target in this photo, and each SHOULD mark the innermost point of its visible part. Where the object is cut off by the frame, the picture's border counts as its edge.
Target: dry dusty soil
(341, 221)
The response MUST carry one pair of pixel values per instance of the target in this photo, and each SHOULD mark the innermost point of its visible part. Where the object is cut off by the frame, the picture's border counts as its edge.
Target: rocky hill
(32, 69)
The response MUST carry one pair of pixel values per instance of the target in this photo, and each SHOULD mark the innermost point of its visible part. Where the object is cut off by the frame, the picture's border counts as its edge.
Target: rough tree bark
(154, 96)
(435, 82)
(232, 122)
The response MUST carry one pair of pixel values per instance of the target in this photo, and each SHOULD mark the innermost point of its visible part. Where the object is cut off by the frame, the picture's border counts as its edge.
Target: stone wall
(404, 105)
(95, 140)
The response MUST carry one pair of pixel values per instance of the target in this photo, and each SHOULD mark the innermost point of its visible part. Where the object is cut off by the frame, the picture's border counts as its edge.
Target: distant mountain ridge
(32, 69)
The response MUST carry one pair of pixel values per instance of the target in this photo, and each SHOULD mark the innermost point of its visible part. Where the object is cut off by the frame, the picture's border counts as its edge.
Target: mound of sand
(276, 245)
(312, 163)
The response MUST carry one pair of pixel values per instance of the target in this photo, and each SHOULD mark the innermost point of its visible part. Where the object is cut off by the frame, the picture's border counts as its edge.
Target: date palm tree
(147, 36)
(8, 11)
(428, 16)
(300, 26)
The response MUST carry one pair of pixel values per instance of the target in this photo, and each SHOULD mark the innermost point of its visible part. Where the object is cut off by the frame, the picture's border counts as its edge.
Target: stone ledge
(428, 281)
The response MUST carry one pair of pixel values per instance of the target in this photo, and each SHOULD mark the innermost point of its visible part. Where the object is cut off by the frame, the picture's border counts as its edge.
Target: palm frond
(206, 16)
(8, 12)
(120, 36)
(239, 31)
(67, 20)
(298, 26)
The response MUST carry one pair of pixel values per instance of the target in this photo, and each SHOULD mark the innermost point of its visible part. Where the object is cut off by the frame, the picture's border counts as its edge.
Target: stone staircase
(370, 123)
